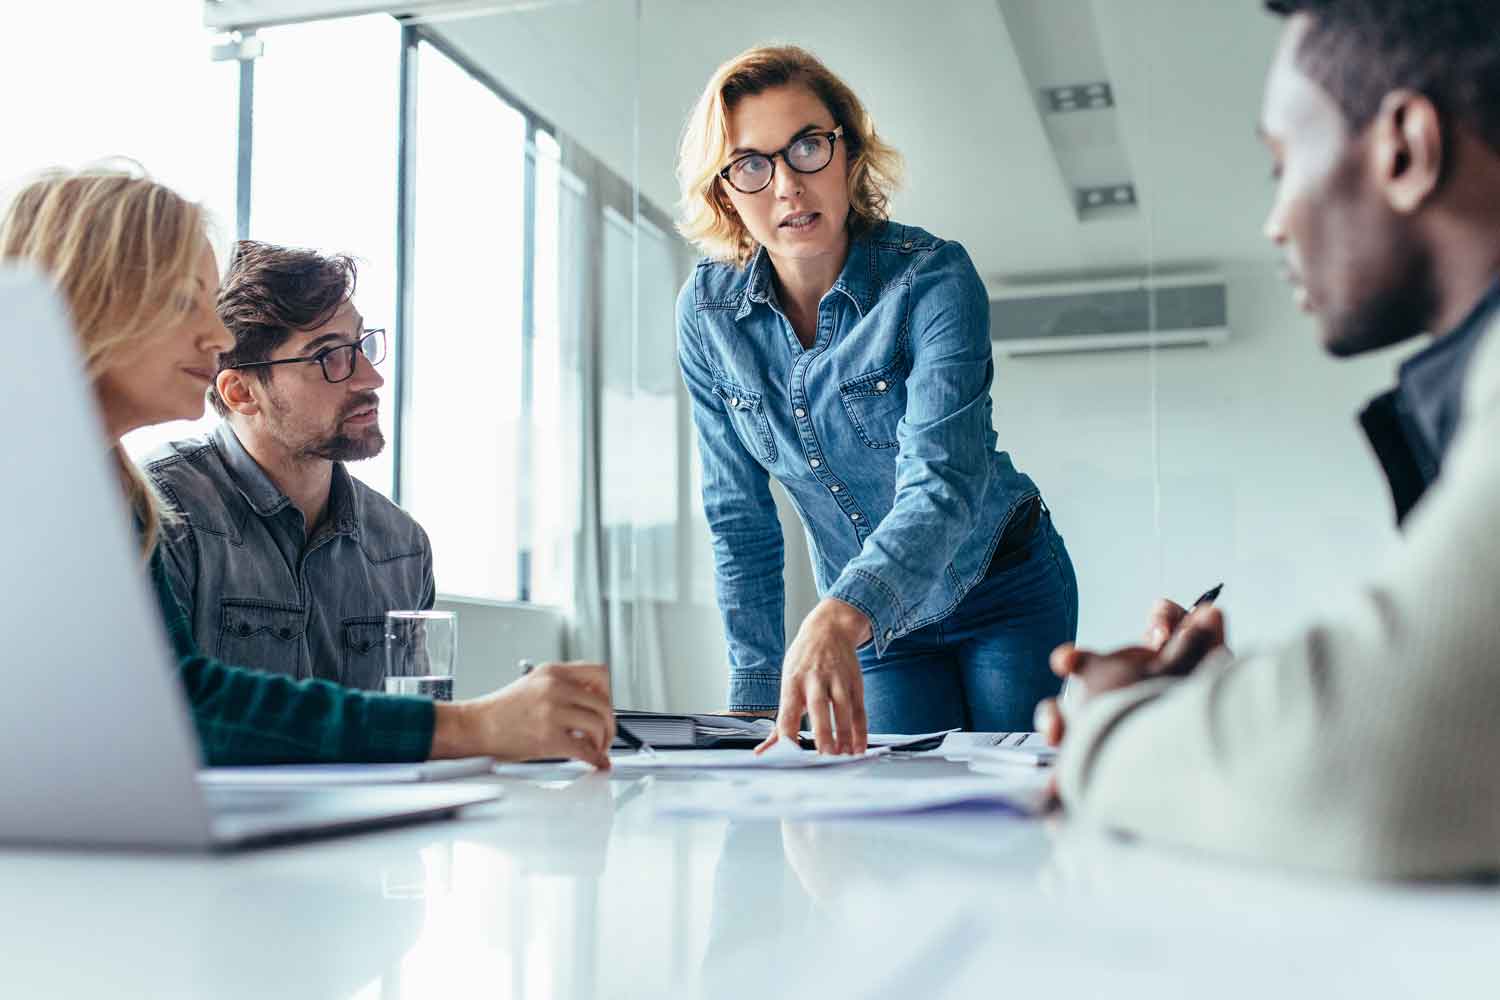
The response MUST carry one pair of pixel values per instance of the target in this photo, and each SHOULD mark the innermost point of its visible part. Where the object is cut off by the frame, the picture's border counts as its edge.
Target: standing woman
(849, 357)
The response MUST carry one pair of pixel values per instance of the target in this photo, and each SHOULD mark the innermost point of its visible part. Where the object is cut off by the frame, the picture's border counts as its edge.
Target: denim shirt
(881, 433)
(259, 592)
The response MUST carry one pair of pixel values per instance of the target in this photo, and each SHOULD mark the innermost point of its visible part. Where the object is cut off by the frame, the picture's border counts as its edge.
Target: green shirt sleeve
(251, 717)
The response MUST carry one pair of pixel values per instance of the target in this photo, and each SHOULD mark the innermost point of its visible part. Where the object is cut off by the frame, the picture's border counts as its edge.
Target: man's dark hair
(1447, 50)
(272, 292)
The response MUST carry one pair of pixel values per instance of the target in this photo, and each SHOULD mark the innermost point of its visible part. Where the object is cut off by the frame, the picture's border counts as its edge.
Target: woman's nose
(216, 338)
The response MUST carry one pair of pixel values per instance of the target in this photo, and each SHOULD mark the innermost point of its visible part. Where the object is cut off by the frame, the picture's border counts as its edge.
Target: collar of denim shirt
(859, 280)
(265, 497)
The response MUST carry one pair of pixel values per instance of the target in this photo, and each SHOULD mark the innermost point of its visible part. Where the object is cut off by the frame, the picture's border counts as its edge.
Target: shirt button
(800, 412)
(836, 488)
(734, 401)
(881, 386)
(816, 463)
(889, 635)
(854, 517)
(906, 245)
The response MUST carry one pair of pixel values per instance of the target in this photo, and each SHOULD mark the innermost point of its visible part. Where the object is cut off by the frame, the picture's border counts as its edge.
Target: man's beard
(341, 447)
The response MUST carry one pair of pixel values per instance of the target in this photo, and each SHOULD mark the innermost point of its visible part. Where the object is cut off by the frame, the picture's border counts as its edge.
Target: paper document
(780, 757)
(900, 741)
(1033, 753)
(963, 746)
(845, 797)
(346, 774)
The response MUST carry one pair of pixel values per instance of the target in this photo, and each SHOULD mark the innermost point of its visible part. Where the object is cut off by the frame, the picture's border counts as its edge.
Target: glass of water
(420, 649)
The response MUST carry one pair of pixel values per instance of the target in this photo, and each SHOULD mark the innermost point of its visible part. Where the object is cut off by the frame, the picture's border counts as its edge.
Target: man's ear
(234, 389)
(1408, 150)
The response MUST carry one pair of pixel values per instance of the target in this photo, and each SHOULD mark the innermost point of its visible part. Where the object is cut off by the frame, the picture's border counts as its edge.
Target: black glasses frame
(833, 136)
(322, 356)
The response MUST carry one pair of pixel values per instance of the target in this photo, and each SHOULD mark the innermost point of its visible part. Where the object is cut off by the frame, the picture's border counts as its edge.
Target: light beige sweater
(1370, 743)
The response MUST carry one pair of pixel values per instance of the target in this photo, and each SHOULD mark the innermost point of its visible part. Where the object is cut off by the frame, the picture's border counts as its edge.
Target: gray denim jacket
(259, 592)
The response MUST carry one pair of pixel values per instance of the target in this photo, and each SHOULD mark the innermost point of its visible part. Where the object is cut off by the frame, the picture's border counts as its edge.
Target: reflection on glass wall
(639, 409)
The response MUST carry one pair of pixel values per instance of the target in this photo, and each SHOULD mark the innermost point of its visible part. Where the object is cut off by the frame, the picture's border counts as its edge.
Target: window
(136, 83)
(324, 165)
(468, 238)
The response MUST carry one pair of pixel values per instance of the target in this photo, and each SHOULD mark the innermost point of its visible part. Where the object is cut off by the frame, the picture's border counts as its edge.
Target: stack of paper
(672, 732)
(1028, 749)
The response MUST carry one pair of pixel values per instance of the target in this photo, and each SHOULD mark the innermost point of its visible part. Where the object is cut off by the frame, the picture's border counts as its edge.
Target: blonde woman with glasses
(134, 266)
(849, 357)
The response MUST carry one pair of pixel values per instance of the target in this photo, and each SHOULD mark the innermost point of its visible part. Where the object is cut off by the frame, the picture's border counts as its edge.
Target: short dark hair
(270, 293)
(1447, 50)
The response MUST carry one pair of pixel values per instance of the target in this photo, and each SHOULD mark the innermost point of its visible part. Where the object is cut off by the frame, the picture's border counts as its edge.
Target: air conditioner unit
(1113, 315)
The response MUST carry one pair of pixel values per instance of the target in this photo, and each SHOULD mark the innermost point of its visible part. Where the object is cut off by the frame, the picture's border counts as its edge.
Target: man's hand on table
(1176, 642)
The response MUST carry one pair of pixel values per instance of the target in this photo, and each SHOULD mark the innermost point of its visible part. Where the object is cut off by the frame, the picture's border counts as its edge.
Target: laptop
(99, 745)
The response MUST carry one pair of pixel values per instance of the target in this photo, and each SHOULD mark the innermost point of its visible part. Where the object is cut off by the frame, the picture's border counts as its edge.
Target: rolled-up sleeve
(745, 529)
(944, 439)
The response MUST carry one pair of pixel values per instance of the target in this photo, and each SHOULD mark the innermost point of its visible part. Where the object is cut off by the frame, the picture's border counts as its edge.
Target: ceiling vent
(1113, 315)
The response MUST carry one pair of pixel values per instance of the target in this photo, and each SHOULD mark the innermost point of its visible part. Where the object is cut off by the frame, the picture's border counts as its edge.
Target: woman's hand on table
(820, 676)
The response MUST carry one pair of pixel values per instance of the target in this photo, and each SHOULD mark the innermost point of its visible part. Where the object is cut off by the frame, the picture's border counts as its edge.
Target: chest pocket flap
(364, 651)
(876, 402)
(748, 418)
(262, 634)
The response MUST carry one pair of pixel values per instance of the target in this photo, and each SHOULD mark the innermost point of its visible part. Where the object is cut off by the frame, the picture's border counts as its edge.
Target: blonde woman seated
(133, 263)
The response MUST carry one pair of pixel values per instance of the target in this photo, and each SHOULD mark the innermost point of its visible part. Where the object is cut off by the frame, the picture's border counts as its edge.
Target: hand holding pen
(620, 732)
(1167, 616)
(1177, 640)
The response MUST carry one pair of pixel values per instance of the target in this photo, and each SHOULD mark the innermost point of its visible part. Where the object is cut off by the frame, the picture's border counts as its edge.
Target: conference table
(579, 885)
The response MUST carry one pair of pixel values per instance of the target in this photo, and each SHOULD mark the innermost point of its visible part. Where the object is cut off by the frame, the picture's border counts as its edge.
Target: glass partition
(1097, 161)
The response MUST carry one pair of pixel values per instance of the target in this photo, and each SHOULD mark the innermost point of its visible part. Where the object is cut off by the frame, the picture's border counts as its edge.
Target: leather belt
(1013, 545)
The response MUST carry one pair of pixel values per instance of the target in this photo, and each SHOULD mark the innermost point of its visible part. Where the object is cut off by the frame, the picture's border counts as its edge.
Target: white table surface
(575, 887)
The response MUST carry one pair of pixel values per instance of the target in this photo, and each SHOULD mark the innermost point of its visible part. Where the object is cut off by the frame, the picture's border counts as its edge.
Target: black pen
(630, 739)
(1209, 596)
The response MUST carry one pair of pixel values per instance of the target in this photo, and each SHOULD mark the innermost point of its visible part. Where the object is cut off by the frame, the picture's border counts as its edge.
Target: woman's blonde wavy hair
(120, 248)
(704, 217)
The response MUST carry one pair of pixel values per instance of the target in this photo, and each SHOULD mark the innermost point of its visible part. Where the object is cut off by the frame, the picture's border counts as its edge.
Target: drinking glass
(420, 649)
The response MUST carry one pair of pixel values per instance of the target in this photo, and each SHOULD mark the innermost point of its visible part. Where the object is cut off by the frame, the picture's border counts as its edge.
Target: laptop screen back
(98, 746)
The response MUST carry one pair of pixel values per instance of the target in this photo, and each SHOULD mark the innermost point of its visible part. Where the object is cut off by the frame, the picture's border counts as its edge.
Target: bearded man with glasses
(284, 561)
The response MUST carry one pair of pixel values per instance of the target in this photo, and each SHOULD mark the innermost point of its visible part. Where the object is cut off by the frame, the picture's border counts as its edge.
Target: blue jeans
(984, 667)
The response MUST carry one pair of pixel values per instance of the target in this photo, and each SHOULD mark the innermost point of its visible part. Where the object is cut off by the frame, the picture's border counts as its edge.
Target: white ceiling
(943, 82)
